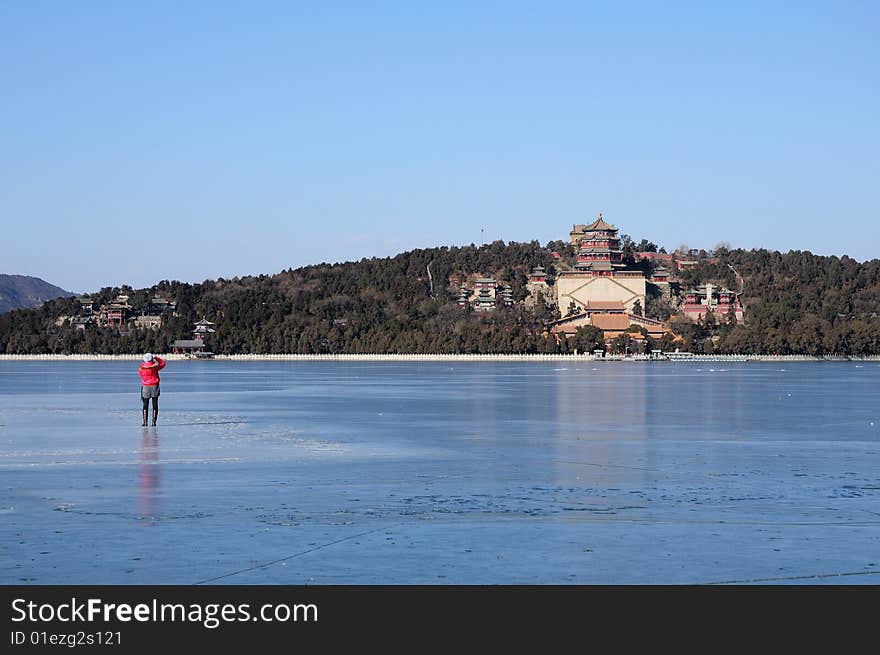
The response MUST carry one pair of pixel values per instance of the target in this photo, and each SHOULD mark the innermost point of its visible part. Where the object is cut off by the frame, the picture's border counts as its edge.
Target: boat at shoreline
(199, 355)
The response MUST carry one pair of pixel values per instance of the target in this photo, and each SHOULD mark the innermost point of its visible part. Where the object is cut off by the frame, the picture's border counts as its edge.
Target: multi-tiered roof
(484, 299)
(538, 275)
(202, 328)
(599, 248)
(507, 295)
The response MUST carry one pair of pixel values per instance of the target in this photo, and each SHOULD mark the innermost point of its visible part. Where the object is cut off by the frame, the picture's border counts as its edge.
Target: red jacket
(150, 372)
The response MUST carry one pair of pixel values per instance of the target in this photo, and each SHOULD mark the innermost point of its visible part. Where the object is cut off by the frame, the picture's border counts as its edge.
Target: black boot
(155, 416)
(144, 424)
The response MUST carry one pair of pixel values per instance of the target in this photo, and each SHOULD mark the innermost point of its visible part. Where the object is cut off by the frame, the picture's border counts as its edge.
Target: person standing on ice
(149, 372)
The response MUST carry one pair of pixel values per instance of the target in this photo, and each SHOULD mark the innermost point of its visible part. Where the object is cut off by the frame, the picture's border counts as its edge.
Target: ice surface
(484, 472)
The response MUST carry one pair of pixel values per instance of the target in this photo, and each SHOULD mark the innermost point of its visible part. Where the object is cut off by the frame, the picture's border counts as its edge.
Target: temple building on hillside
(486, 295)
(506, 295)
(484, 288)
(538, 283)
(115, 313)
(663, 281)
(601, 274)
(538, 275)
(660, 276)
(706, 298)
(158, 304)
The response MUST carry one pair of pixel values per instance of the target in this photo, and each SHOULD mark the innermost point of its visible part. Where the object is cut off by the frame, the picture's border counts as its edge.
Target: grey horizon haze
(190, 143)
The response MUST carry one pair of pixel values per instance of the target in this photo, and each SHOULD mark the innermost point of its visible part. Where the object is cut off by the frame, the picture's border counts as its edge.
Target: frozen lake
(439, 472)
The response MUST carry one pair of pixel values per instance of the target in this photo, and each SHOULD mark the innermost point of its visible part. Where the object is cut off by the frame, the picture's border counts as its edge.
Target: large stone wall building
(600, 274)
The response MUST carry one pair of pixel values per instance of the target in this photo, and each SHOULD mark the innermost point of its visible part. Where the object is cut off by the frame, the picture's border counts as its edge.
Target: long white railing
(538, 357)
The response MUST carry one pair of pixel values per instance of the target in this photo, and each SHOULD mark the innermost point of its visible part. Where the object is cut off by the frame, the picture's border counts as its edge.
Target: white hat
(148, 357)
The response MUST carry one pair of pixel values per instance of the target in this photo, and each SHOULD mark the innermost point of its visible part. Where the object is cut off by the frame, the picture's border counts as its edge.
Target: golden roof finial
(600, 216)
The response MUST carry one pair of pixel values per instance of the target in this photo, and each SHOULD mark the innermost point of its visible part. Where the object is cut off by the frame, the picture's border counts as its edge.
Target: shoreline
(450, 358)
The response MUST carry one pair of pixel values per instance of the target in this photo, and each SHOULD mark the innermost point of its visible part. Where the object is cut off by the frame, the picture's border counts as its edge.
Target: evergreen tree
(588, 338)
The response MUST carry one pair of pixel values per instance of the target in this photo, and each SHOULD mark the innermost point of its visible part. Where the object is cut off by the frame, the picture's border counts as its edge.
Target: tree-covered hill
(371, 306)
(795, 302)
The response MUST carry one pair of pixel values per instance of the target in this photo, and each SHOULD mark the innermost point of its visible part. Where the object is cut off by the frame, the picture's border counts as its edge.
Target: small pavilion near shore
(188, 347)
(195, 347)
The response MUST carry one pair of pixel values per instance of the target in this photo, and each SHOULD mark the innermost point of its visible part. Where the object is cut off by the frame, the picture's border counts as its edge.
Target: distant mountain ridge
(19, 291)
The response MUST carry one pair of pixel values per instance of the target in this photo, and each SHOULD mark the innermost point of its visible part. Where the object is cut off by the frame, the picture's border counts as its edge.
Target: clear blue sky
(191, 140)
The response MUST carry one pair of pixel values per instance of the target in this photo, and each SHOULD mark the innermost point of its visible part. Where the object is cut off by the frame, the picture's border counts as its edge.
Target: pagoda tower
(600, 274)
(599, 250)
(202, 328)
(507, 295)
